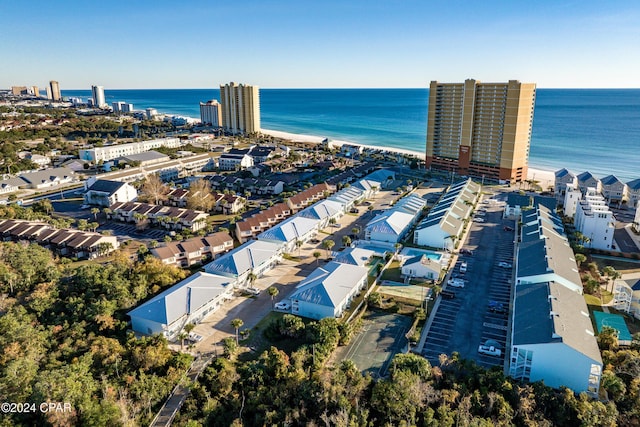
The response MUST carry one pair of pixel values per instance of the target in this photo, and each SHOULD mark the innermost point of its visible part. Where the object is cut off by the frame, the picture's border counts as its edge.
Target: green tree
(237, 324)
(273, 292)
(316, 255)
(327, 245)
(346, 241)
(95, 212)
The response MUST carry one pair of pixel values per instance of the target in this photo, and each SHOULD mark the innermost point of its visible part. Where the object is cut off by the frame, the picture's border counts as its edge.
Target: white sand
(545, 178)
(296, 137)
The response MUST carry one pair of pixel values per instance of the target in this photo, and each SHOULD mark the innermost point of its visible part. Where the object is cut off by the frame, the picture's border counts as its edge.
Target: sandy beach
(545, 178)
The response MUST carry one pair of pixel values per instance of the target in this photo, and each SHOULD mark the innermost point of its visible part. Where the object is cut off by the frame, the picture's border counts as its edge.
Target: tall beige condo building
(480, 129)
(55, 91)
(240, 108)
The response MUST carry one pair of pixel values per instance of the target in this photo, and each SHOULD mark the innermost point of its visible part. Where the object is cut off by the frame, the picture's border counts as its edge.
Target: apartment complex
(55, 91)
(594, 220)
(111, 152)
(211, 113)
(480, 129)
(240, 108)
(97, 93)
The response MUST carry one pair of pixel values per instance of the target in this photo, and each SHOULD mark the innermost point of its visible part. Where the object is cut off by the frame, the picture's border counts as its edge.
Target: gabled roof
(321, 210)
(184, 298)
(329, 285)
(145, 156)
(47, 175)
(290, 230)
(106, 186)
(562, 173)
(610, 180)
(516, 199)
(585, 176)
(548, 312)
(393, 222)
(634, 185)
(355, 256)
(425, 261)
(250, 255)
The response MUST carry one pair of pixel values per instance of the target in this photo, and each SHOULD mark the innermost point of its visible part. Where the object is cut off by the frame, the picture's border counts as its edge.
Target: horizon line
(346, 88)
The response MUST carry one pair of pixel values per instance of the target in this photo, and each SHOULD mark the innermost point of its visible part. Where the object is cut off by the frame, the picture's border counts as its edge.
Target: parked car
(507, 228)
(314, 241)
(464, 251)
(476, 219)
(448, 294)
(195, 337)
(503, 264)
(456, 283)
(282, 305)
(497, 307)
(489, 351)
(463, 267)
(253, 291)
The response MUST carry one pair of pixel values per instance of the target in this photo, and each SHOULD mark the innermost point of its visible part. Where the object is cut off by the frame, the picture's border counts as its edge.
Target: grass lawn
(393, 272)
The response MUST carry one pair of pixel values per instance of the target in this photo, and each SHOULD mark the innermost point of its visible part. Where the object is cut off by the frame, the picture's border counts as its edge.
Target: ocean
(579, 129)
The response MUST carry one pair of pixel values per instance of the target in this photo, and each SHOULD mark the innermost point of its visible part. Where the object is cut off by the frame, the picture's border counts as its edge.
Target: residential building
(323, 212)
(254, 257)
(480, 129)
(392, 225)
(562, 178)
(189, 301)
(111, 152)
(97, 94)
(552, 336)
(11, 185)
(18, 90)
(572, 197)
(145, 158)
(444, 223)
(614, 190)
(249, 228)
(193, 251)
(235, 159)
(65, 242)
(588, 180)
(422, 266)
(595, 221)
(151, 113)
(55, 91)
(291, 231)
(306, 197)
(636, 221)
(169, 217)
(48, 178)
(117, 107)
(348, 197)
(516, 203)
(102, 192)
(355, 256)
(240, 108)
(328, 290)
(634, 193)
(211, 113)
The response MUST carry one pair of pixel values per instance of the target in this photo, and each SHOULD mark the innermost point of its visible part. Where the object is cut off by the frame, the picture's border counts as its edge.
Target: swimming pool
(411, 252)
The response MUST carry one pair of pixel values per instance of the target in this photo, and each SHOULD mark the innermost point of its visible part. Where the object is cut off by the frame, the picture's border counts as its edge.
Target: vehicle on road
(463, 267)
(489, 350)
(503, 264)
(253, 291)
(464, 251)
(477, 219)
(195, 337)
(282, 305)
(314, 241)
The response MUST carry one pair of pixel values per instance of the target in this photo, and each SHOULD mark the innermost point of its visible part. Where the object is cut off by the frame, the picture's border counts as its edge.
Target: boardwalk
(176, 399)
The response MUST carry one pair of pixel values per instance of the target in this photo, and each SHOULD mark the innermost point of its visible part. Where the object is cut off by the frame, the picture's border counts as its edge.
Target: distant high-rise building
(18, 90)
(117, 107)
(240, 108)
(97, 92)
(35, 91)
(480, 129)
(55, 91)
(126, 108)
(211, 113)
(151, 113)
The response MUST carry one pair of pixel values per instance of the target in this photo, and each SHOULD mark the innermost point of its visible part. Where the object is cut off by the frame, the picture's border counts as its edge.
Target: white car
(489, 350)
(283, 305)
(503, 264)
(478, 219)
(195, 337)
(253, 291)
(463, 267)
(456, 283)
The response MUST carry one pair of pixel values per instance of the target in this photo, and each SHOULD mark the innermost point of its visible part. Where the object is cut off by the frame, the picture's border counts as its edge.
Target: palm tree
(237, 324)
(251, 277)
(298, 245)
(328, 244)
(316, 255)
(346, 241)
(355, 231)
(95, 212)
(273, 292)
(107, 212)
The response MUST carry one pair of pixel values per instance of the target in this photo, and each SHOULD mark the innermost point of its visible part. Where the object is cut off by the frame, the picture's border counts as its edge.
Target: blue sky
(327, 43)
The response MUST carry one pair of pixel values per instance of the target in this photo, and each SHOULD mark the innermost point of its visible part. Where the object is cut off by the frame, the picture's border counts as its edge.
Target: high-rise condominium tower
(480, 129)
(55, 91)
(240, 108)
(97, 92)
(211, 113)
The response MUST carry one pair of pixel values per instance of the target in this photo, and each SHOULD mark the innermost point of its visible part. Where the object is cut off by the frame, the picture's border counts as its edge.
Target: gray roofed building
(145, 158)
(355, 256)
(254, 256)
(328, 290)
(291, 230)
(189, 301)
(48, 177)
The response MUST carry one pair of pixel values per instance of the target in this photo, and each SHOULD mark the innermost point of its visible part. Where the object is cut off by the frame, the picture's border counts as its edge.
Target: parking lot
(478, 311)
(126, 231)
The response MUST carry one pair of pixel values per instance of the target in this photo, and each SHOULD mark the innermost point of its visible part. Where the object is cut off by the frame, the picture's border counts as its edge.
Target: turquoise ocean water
(580, 129)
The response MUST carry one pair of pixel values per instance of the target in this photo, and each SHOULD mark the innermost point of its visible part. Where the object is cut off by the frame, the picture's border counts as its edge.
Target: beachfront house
(421, 266)
(562, 178)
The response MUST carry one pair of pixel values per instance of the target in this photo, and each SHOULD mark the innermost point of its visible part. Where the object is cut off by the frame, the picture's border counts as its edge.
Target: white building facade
(595, 221)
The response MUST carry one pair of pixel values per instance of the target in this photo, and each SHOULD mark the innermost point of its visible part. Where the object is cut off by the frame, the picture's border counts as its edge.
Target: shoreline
(545, 177)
